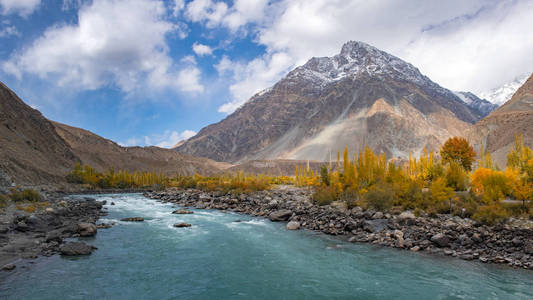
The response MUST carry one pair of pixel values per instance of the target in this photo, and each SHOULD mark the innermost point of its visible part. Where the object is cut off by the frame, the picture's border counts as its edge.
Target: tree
(458, 150)
(324, 175)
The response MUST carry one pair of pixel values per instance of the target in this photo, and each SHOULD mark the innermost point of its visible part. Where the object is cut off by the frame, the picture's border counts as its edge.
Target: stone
(133, 219)
(378, 215)
(183, 212)
(375, 226)
(181, 225)
(9, 267)
(517, 242)
(280, 215)
(415, 249)
(528, 249)
(293, 225)
(440, 240)
(87, 229)
(76, 248)
(112, 203)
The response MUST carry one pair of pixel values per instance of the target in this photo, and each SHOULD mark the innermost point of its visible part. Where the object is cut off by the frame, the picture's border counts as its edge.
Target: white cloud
(9, 31)
(179, 5)
(119, 43)
(20, 7)
(201, 50)
(167, 139)
(216, 13)
(463, 45)
(252, 77)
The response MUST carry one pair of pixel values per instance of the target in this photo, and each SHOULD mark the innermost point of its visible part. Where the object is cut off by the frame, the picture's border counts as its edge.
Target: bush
(491, 214)
(324, 195)
(25, 195)
(456, 177)
(380, 198)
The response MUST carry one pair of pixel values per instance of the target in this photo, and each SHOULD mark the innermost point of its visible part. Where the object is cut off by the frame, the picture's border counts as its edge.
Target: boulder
(293, 225)
(407, 217)
(529, 248)
(280, 215)
(181, 225)
(9, 267)
(54, 235)
(375, 226)
(440, 240)
(133, 219)
(183, 212)
(76, 248)
(87, 229)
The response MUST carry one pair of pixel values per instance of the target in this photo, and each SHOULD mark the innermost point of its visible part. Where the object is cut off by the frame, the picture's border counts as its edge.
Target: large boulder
(440, 240)
(87, 229)
(293, 225)
(76, 248)
(375, 226)
(406, 217)
(280, 215)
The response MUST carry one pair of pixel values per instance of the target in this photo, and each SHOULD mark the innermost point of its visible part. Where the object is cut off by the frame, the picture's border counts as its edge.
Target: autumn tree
(458, 150)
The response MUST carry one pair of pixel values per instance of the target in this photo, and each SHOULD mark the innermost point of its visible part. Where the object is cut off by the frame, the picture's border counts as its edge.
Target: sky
(152, 72)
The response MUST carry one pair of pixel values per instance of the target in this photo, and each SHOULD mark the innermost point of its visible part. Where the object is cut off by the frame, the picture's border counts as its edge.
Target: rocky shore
(510, 244)
(29, 235)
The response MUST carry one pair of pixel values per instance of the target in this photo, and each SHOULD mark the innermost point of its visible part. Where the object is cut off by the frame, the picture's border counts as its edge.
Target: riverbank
(42, 233)
(510, 244)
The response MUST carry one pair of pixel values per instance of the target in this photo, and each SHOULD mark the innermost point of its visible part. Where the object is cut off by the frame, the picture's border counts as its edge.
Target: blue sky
(152, 72)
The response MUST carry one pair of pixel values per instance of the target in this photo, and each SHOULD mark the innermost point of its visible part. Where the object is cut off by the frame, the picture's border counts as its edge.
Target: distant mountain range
(362, 96)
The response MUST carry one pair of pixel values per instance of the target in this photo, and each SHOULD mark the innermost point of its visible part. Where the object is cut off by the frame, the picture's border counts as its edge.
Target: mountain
(37, 151)
(505, 92)
(497, 131)
(30, 148)
(483, 106)
(362, 96)
(103, 154)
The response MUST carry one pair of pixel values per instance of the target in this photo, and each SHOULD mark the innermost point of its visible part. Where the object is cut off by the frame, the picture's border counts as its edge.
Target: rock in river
(293, 225)
(183, 212)
(180, 225)
(133, 219)
(280, 215)
(87, 229)
(440, 240)
(76, 248)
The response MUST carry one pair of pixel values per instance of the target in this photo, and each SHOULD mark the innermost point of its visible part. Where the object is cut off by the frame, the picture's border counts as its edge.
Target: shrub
(456, 177)
(25, 195)
(324, 175)
(380, 198)
(491, 214)
(324, 195)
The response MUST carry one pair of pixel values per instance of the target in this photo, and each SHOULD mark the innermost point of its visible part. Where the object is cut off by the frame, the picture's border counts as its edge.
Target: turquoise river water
(218, 258)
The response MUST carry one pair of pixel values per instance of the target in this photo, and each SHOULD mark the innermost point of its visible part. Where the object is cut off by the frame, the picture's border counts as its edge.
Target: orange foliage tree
(458, 150)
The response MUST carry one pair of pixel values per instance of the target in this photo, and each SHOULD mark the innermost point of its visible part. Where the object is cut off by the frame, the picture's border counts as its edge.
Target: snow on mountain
(473, 101)
(501, 94)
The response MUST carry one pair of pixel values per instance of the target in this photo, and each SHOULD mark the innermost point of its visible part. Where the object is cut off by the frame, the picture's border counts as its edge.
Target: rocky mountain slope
(483, 106)
(497, 131)
(36, 151)
(362, 96)
(103, 154)
(30, 148)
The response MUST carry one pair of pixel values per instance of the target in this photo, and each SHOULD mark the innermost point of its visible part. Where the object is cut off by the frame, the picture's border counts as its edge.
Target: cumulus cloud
(119, 43)
(20, 7)
(252, 77)
(463, 45)
(217, 13)
(201, 50)
(167, 139)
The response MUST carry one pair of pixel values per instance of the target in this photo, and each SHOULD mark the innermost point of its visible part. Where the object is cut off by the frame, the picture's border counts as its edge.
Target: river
(233, 256)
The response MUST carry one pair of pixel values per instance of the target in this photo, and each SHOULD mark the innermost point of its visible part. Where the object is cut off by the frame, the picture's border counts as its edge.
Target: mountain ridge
(334, 94)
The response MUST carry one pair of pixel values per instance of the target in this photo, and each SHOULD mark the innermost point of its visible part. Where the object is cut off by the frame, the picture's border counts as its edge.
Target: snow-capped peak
(501, 94)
